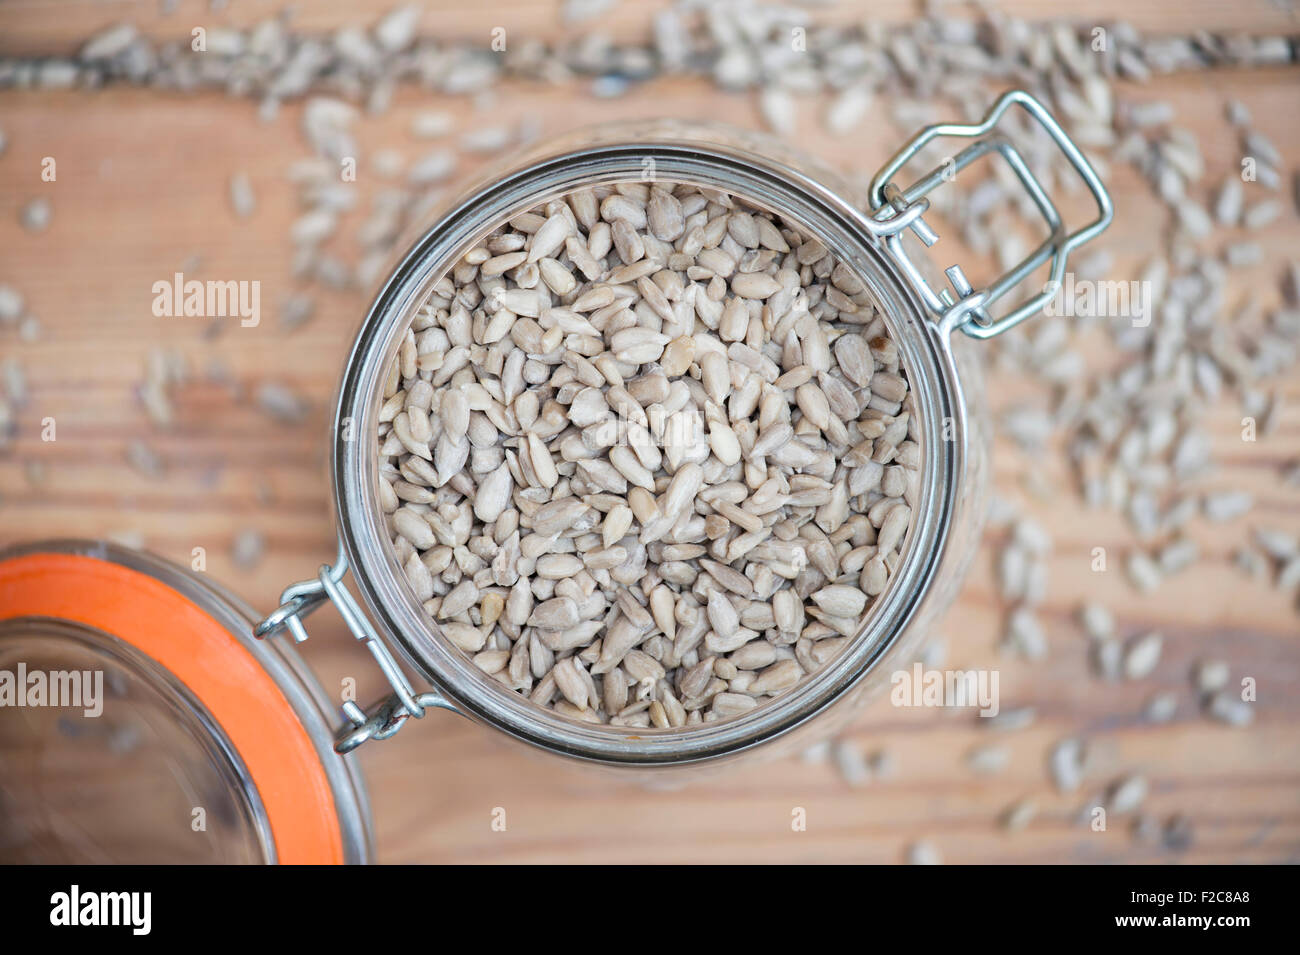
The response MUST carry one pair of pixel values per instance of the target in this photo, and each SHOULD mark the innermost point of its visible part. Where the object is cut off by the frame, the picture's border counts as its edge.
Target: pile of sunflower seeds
(738, 44)
(648, 455)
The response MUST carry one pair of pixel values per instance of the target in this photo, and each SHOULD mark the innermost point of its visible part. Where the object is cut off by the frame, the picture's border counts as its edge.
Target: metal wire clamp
(385, 717)
(896, 210)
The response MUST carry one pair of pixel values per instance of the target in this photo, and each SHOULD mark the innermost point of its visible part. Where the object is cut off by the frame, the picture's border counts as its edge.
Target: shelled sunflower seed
(1177, 834)
(1017, 718)
(818, 752)
(1227, 505)
(144, 459)
(1160, 708)
(281, 402)
(247, 548)
(1097, 621)
(671, 432)
(883, 764)
(1228, 707)
(1066, 763)
(1210, 676)
(851, 762)
(13, 382)
(242, 198)
(35, 215)
(8, 423)
(1022, 584)
(1127, 794)
(1142, 655)
(165, 369)
(1250, 562)
(988, 760)
(296, 311)
(923, 852)
(1024, 635)
(1107, 658)
(1018, 815)
(11, 305)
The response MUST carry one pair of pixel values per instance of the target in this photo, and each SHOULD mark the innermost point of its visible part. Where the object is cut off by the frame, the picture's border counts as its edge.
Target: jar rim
(143, 601)
(753, 177)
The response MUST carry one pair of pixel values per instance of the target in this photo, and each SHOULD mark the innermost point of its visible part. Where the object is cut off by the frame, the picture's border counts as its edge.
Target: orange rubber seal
(241, 696)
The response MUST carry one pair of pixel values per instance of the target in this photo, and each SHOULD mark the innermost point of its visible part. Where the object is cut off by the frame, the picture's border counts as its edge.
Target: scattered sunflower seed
(1012, 719)
(1019, 815)
(281, 402)
(11, 305)
(1142, 654)
(988, 760)
(247, 549)
(1210, 676)
(851, 763)
(1160, 708)
(144, 459)
(923, 852)
(1066, 765)
(1177, 833)
(1127, 794)
(35, 215)
(242, 198)
(1228, 707)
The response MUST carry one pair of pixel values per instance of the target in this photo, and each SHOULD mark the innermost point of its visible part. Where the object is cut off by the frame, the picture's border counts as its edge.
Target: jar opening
(768, 185)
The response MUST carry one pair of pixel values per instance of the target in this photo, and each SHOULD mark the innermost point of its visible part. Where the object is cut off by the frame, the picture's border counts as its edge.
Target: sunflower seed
(1161, 708)
(1066, 763)
(1019, 815)
(1142, 654)
(558, 613)
(988, 760)
(1127, 794)
(1210, 676)
(850, 762)
(247, 549)
(923, 853)
(35, 215)
(1228, 707)
(1097, 621)
(1227, 505)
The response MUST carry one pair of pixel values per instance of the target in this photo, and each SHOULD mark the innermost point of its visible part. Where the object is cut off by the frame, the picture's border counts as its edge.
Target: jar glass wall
(769, 177)
(92, 781)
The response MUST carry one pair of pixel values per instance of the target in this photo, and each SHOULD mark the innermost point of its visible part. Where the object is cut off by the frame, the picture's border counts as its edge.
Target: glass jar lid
(141, 722)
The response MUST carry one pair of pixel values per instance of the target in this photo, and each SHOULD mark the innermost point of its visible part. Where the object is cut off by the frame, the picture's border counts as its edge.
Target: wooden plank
(141, 190)
(59, 27)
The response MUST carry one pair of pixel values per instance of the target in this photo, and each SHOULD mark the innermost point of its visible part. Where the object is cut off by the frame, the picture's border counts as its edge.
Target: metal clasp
(894, 210)
(385, 717)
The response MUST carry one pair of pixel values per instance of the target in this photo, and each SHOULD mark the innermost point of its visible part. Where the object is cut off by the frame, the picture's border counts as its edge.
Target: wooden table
(141, 192)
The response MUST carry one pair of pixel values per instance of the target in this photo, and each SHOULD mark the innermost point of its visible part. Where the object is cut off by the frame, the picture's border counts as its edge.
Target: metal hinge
(383, 718)
(895, 210)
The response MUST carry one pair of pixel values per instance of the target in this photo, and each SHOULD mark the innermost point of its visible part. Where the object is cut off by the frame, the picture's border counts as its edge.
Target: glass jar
(932, 330)
(141, 722)
(250, 726)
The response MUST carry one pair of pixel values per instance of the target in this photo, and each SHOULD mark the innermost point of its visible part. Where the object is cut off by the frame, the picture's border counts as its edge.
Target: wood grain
(59, 27)
(141, 191)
